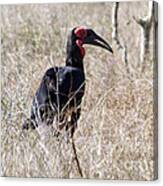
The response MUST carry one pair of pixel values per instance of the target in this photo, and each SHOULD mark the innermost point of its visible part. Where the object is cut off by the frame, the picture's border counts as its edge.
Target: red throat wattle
(81, 33)
(79, 43)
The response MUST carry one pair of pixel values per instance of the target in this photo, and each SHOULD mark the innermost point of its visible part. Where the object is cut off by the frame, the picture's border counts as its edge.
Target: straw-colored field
(114, 138)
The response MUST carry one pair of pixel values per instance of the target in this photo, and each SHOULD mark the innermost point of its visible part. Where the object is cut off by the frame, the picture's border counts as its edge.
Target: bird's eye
(80, 32)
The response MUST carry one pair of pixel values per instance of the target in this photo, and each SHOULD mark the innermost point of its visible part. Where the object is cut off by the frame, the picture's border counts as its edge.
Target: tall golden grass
(114, 138)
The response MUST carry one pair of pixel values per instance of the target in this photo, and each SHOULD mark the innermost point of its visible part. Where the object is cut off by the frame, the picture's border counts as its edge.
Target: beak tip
(111, 50)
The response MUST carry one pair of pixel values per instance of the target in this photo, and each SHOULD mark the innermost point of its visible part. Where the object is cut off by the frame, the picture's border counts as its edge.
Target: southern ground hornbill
(58, 98)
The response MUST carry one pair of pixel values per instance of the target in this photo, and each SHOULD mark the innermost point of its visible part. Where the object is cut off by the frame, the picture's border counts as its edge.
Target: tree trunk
(146, 25)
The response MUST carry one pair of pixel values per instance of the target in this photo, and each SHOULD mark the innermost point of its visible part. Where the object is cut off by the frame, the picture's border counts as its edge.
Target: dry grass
(114, 138)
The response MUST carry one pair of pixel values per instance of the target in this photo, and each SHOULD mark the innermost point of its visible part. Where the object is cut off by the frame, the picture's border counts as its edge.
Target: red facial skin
(82, 50)
(81, 33)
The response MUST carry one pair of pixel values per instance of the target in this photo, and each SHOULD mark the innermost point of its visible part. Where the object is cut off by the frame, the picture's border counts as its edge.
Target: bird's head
(85, 35)
(78, 37)
(88, 36)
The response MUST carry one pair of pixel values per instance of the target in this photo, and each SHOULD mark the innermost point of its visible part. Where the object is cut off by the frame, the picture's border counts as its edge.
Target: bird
(57, 101)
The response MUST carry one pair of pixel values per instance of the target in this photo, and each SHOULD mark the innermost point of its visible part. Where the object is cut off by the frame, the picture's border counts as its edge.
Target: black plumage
(61, 90)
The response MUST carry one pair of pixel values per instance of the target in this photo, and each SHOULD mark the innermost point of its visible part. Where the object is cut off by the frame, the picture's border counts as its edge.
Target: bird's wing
(42, 107)
(60, 87)
(70, 81)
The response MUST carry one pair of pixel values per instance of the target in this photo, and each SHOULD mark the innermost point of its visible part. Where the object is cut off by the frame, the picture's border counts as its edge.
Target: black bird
(61, 90)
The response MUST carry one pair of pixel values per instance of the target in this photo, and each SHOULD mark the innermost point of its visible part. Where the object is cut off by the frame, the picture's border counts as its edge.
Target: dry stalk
(115, 35)
(146, 25)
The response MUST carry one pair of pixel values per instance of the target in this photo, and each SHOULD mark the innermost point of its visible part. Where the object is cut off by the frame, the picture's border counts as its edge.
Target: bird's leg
(71, 125)
(76, 157)
(68, 128)
(74, 118)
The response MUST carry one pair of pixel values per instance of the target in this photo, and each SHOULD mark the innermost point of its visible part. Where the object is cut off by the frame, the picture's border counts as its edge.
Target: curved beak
(93, 39)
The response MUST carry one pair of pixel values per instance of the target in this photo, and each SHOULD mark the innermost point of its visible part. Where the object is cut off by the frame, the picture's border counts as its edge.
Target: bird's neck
(75, 54)
(74, 62)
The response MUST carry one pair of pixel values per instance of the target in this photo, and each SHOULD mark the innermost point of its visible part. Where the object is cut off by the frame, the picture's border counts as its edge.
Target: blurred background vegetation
(114, 138)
